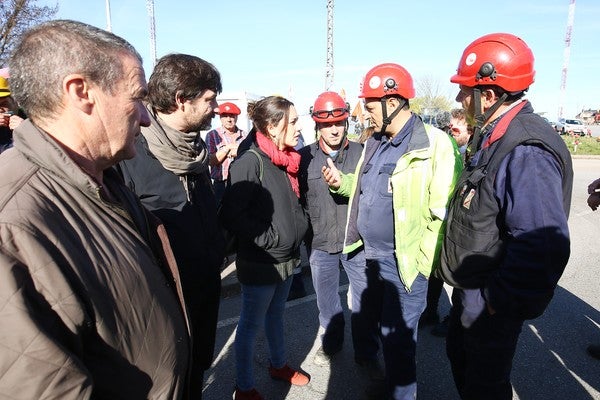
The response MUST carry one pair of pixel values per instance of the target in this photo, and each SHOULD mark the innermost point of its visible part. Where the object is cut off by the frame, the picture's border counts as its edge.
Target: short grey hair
(50, 51)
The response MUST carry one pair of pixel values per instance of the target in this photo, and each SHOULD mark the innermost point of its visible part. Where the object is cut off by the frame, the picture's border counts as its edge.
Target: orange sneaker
(251, 394)
(289, 375)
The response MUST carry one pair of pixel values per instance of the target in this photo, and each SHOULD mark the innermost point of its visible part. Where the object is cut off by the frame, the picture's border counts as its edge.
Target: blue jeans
(261, 304)
(325, 269)
(399, 311)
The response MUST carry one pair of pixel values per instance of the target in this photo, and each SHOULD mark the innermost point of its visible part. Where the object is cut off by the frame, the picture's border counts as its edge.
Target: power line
(329, 64)
(567, 55)
(150, 7)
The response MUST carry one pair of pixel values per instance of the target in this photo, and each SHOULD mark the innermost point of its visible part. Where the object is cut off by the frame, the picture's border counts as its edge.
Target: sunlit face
(228, 121)
(286, 136)
(199, 111)
(332, 133)
(459, 130)
(373, 108)
(465, 97)
(120, 114)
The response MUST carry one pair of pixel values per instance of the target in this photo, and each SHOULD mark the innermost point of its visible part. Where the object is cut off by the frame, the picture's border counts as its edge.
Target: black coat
(263, 212)
(327, 211)
(195, 237)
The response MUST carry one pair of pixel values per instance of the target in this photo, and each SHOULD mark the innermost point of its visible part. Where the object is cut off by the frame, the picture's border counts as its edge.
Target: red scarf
(287, 158)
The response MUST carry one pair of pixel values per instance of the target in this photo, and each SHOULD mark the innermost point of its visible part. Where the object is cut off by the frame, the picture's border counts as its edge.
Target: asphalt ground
(551, 360)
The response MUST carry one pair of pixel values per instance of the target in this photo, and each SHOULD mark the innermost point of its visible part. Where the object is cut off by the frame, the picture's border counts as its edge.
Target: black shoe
(594, 351)
(441, 329)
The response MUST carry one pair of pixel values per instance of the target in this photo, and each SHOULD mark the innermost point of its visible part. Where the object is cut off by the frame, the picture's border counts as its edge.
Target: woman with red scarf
(261, 209)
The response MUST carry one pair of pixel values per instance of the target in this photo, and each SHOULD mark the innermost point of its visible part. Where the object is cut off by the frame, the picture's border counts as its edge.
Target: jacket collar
(43, 151)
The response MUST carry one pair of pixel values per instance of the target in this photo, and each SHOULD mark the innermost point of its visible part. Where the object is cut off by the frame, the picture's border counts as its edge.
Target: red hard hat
(387, 79)
(329, 107)
(499, 59)
(229, 108)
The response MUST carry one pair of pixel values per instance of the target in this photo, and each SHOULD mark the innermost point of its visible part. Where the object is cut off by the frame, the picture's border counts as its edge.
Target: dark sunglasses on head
(336, 112)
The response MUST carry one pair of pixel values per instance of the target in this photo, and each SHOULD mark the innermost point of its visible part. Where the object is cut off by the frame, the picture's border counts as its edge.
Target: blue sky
(279, 46)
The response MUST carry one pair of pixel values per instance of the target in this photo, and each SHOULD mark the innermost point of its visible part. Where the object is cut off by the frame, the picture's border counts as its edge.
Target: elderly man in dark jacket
(170, 174)
(90, 307)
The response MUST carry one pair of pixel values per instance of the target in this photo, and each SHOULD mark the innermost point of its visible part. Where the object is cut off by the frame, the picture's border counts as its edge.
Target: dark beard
(203, 125)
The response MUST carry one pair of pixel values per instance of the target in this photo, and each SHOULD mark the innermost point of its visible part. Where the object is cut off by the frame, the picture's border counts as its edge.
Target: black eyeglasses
(335, 113)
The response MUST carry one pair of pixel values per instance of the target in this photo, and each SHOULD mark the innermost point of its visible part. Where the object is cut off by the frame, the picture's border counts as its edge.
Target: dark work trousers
(398, 311)
(434, 291)
(481, 356)
(219, 188)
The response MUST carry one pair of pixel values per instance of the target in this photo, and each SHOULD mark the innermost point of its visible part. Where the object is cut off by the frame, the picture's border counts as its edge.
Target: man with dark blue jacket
(507, 238)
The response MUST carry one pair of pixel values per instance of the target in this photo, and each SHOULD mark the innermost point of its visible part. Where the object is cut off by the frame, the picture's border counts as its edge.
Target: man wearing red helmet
(327, 213)
(507, 238)
(397, 208)
(222, 146)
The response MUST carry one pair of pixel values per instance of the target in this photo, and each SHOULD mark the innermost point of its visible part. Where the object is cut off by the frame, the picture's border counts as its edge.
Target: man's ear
(489, 97)
(392, 103)
(78, 92)
(179, 100)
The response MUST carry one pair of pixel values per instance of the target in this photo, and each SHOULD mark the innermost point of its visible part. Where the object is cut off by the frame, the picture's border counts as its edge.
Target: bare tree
(429, 99)
(16, 16)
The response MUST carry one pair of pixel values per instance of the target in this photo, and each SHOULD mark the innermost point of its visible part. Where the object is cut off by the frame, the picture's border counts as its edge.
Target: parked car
(552, 123)
(428, 119)
(571, 126)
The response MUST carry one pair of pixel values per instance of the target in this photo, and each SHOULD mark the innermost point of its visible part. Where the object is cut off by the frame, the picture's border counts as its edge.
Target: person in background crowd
(327, 213)
(460, 130)
(397, 208)
(594, 201)
(222, 145)
(10, 115)
(90, 297)
(507, 237)
(261, 208)
(170, 175)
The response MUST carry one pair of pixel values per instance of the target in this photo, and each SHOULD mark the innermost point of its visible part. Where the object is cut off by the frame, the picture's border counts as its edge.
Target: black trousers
(481, 356)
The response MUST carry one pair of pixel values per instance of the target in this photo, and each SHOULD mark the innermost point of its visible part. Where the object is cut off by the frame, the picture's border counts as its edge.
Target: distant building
(587, 116)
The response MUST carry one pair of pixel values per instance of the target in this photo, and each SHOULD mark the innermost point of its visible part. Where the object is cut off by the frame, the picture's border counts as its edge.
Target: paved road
(551, 362)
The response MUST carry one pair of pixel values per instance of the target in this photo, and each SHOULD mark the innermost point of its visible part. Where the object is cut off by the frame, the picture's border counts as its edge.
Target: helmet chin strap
(388, 120)
(481, 118)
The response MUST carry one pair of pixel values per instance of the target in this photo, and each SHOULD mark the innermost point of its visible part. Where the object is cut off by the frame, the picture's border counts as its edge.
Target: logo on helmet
(374, 82)
(471, 58)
